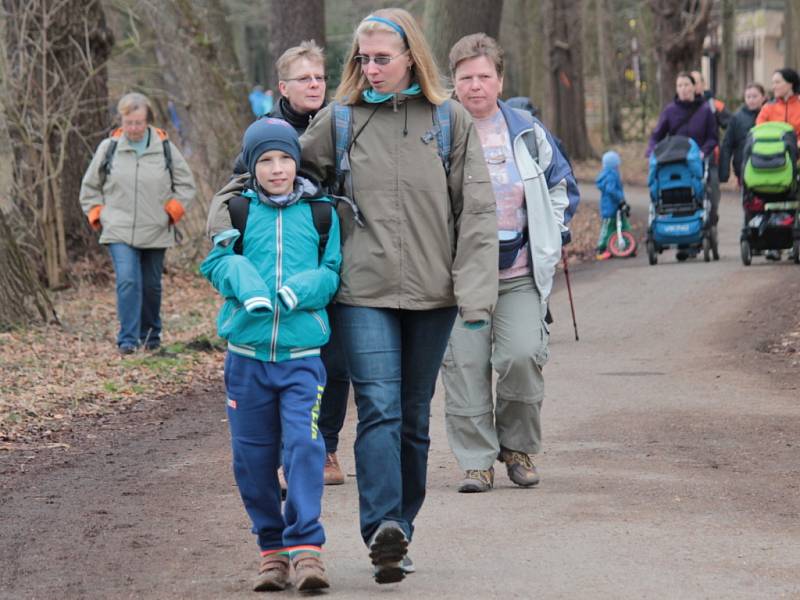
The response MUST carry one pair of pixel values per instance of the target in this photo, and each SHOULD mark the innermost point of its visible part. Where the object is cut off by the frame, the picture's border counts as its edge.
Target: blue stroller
(679, 206)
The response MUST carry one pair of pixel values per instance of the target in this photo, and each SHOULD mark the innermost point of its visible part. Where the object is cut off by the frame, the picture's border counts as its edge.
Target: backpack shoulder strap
(441, 123)
(688, 117)
(238, 208)
(322, 215)
(105, 166)
(162, 135)
(168, 162)
(341, 130)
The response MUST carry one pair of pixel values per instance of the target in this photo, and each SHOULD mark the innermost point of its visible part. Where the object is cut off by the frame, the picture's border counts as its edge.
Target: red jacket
(782, 110)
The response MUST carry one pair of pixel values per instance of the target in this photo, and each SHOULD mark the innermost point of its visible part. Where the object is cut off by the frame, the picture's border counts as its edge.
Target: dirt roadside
(671, 469)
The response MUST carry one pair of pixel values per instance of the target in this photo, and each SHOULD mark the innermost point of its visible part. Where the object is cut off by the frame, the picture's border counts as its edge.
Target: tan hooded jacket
(429, 240)
(136, 192)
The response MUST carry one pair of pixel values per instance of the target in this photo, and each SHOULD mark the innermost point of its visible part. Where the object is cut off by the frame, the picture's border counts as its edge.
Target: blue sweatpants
(269, 403)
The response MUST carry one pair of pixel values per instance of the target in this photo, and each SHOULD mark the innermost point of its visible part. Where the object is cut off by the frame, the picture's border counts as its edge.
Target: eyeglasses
(308, 79)
(363, 60)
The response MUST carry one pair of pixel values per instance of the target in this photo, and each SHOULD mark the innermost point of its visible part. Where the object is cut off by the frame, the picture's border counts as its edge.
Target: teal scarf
(374, 97)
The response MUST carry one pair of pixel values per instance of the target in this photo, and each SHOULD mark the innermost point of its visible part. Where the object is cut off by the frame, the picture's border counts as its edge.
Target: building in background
(760, 44)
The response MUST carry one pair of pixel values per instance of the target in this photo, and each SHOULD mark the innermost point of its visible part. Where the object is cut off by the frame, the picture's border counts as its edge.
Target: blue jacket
(609, 183)
(545, 179)
(277, 290)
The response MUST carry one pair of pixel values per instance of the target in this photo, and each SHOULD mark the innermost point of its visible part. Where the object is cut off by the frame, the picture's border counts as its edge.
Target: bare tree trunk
(521, 33)
(729, 91)
(679, 31)
(23, 299)
(291, 23)
(447, 21)
(609, 81)
(563, 32)
(538, 83)
(208, 92)
(56, 106)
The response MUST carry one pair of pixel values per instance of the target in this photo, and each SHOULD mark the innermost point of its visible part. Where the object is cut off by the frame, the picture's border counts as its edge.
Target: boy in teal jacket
(275, 322)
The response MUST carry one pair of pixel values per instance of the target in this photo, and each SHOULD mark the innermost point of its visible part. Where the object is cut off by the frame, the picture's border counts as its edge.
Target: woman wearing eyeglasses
(427, 251)
(301, 82)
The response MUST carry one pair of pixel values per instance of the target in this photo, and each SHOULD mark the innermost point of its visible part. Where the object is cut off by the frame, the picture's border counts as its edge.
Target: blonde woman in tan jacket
(136, 188)
(427, 251)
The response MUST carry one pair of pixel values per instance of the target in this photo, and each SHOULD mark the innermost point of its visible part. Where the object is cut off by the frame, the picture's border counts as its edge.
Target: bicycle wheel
(622, 246)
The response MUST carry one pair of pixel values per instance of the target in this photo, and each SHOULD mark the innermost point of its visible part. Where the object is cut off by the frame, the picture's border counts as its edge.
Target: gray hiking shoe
(476, 480)
(387, 549)
(520, 467)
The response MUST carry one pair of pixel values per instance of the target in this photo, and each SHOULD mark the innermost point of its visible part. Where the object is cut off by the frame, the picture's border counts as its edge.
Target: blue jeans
(394, 358)
(334, 399)
(269, 403)
(138, 273)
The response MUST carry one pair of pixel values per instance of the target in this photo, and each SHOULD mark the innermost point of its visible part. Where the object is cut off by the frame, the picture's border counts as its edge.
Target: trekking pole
(569, 292)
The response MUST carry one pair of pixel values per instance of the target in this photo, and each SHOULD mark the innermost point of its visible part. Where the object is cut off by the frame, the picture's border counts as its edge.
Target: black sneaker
(387, 548)
(125, 349)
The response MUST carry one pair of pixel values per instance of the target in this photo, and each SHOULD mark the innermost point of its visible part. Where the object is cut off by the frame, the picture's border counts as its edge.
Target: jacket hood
(283, 110)
(611, 160)
(515, 122)
(305, 188)
(688, 103)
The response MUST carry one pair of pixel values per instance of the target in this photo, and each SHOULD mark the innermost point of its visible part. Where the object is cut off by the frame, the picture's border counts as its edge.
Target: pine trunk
(447, 21)
(23, 299)
(291, 23)
(563, 33)
(207, 88)
(728, 89)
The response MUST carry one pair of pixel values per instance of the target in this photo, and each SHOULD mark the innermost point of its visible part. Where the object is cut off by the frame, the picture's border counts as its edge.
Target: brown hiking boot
(520, 467)
(273, 574)
(476, 480)
(309, 572)
(333, 472)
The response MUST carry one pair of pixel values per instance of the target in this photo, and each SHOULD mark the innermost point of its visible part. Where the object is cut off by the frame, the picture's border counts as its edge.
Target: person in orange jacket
(786, 104)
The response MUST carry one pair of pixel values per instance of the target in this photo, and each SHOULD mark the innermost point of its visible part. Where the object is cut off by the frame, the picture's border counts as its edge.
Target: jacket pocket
(320, 321)
(543, 352)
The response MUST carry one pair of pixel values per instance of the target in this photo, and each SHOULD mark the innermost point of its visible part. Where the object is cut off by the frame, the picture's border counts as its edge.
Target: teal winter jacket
(276, 291)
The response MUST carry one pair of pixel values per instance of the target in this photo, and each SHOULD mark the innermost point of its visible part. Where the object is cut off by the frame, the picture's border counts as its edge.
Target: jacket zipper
(273, 350)
(135, 200)
(525, 198)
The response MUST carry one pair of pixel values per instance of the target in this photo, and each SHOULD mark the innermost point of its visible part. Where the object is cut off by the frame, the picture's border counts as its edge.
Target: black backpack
(321, 214)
